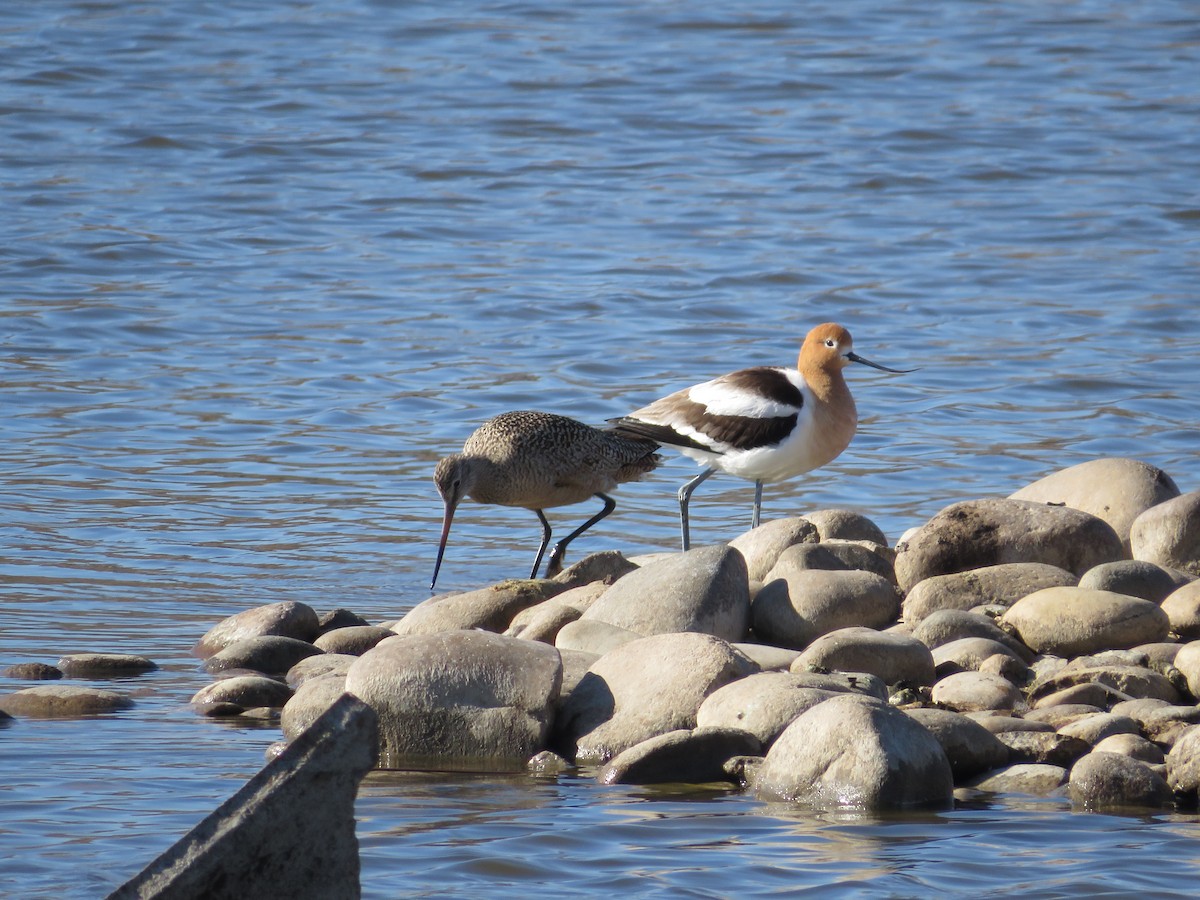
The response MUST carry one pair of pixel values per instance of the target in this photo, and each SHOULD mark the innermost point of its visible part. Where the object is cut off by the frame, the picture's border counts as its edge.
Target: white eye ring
(830, 342)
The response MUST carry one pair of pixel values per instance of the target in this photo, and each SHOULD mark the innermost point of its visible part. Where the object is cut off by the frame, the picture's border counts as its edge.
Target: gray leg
(537, 563)
(556, 555)
(756, 516)
(685, 495)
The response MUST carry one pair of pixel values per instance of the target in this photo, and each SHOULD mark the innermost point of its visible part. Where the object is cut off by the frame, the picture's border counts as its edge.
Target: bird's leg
(685, 495)
(756, 516)
(556, 555)
(545, 541)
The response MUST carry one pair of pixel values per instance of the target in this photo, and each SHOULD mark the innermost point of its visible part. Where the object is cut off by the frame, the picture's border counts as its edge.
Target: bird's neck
(834, 408)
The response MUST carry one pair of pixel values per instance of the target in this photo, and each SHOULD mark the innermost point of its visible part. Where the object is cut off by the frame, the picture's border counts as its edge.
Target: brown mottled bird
(764, 424)
(538, 460)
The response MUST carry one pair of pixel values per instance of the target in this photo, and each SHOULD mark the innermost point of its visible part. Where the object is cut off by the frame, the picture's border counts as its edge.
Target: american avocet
(538, 460)
(764, 424)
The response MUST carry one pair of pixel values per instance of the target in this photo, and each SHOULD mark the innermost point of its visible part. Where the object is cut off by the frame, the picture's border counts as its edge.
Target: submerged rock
(104, 665)
(62, 701)
(697, 756)
(1102, 780)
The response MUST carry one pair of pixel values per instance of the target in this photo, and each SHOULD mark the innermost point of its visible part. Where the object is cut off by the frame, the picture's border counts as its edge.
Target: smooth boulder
(1072, 621)
(697, 756)
(798, 605)
(999, 585)
(894, 658)
(286, 619)
(1169, 534)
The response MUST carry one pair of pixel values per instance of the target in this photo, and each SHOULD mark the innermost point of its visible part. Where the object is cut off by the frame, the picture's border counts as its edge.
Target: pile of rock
(1047, 643)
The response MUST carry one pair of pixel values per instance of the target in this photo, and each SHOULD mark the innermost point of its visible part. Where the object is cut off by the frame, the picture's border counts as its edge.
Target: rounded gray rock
(705, 590)
(846, 525)
(104, 665)
(761, 546)
(1134, 578)
(491, 608)
(311, 701)
(1110, 781)
(764, 704)
(799, 605)
(979, 533)
(1169, 534)
(690, 757)
(1183, 764)
(1035, 779)
(894, 658)
(270, 654)
(976, 692)
(1096, 728)
(1182, 607)
(856, 752)
(948, 625)
(1068, 622)
(1000, 585)
(1132, 745)
(243, 691)
(317, 667)
(970, 748)
(352, 640)
(286, 619)
(591, 636)
(62, 701)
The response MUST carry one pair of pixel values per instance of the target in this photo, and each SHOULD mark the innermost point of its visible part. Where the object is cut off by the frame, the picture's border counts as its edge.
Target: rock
(269, 654)
(980, 533)
(767, 657)
(289, 832)
(1001, 585)
(311, 701)
(459, 696)
(975, 691)
(317, 666)
(1138, 710)
(968, 654)
(33, 671)
(339, 618)
(1169, 534)
(1187, 661)
(1183, 765)
(996, 723)
(797, 605)
(894, 658)
(353, 640)
(548, 763)
(575, 665)
(1060, 714)
(643, 689)
(544, 621)
(1109, 780)
(843, 682)
(761, 546)
(1114, 489)
(593, 637)
(948, 625)
(846, 525)
(1131, 682)
(104, 665)
(244, 692)
(969, 747)
(1182, 607)
(62, 701)
(836, 556)
(692, 757)
(286, 619)
(606, 566)
(858, 752)
(1037, 779)
(1096, 728)
(762, 704)
(705, 590)
(1043, 747)
(1134, 578)
(1069, 621)
(1132, 745)
(490, 609)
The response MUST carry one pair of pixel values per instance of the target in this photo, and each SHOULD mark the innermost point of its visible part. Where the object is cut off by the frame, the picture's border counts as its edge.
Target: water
(263, 263)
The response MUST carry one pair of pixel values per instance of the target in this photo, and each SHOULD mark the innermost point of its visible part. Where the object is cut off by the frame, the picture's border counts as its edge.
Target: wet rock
(289, 832)
(948, 625)
(1069, 621)
(1043, 747)
(799, 605)
(62, 701)
(1132, 682)
(33, 671)
(980, 533)
(1116, 490)
(1134, 578)
(1109, 780)
(243, 692)
(547, 762)
(269, 654)
(311, 701)
(1182, 607)
(857, 752)
(846, 525)
(975, 691)
(593, 637)
(1183, 766)
(490, 609)
(643, 689)
(762, 704)
(1169, 534)
(317, 666)
(761, 546)
(1132, 745)
(693, 757)
(352, 640)
(969, 747)
(104, 665)
(1036, 779)
(339, 618)
(767, 657)
(894, 658)
(1000, 585)
(458, 696)
(705, 590)
(1096, 728)
(544, 621)
(286, 619)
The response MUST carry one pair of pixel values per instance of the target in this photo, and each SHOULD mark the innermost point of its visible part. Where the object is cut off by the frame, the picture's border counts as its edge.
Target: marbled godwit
(539, 460)
(764, 424)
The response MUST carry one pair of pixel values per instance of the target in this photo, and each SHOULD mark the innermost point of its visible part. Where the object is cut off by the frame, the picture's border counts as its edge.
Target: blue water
(263, 263)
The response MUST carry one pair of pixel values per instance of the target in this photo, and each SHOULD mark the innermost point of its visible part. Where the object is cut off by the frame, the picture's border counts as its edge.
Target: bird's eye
(830, 343)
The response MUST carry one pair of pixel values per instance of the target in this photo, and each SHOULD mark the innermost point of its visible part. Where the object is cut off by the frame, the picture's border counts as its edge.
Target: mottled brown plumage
(539, 460)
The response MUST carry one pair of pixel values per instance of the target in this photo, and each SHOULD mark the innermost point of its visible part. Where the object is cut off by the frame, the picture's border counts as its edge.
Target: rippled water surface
(264, 262)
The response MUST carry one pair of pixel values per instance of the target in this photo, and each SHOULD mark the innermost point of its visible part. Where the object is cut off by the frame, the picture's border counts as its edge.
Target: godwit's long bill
(765, 424)
(538, 460)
